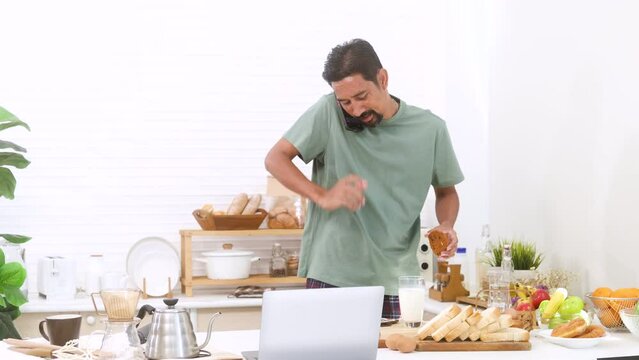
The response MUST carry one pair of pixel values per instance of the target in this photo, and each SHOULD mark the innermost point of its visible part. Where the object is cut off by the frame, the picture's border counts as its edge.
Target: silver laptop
(310, 324)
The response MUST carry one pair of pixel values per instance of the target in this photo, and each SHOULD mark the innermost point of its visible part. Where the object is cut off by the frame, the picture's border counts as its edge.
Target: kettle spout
(208, 333)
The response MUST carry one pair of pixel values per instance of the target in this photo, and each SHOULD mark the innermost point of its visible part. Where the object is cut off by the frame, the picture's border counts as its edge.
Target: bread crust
(438, 241)
(571, 329)
(592, 331)
(238, 204)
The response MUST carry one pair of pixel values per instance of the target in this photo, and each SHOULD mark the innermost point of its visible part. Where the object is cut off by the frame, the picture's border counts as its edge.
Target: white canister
(94, 272)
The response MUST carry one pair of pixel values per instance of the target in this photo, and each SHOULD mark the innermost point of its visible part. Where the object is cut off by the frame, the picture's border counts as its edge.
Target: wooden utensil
(30, 344)
(39, 352)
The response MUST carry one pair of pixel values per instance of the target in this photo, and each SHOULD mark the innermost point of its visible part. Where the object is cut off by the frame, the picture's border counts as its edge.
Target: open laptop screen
(331, 323)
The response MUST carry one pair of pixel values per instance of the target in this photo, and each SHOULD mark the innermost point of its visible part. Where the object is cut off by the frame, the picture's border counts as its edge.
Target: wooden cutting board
(457, 345)
(431, 345)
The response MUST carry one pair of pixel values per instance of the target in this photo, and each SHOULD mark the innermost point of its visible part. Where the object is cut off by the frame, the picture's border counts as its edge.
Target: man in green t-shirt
(374, 159)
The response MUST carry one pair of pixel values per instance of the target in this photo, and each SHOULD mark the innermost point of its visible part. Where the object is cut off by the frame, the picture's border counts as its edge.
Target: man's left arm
(446, 209)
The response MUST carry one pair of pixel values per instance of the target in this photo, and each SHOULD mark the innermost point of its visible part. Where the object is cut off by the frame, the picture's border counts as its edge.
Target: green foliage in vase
(524, 254)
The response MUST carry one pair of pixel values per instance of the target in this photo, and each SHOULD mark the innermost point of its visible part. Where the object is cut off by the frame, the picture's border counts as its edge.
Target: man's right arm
(347, 192)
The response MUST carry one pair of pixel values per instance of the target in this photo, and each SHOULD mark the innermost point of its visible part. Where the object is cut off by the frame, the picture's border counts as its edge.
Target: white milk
(411, 303)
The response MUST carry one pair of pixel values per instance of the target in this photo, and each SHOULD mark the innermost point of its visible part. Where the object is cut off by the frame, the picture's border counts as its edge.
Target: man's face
(360, 98)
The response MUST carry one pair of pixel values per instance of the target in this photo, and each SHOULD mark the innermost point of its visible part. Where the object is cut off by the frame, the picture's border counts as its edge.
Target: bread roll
(572, 329)
(435, 323)
(507, 334)
(252, 205)
(206, 209)
(238, 204)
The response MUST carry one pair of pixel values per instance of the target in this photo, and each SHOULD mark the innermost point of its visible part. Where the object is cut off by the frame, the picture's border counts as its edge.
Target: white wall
(564, 131)
(144, 110)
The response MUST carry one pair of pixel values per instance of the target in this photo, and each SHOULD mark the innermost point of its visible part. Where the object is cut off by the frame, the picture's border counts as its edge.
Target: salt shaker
(277, 267)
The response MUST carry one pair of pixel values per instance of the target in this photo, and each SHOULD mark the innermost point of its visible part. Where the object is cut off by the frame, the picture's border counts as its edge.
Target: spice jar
(292, 263)
(277, 267)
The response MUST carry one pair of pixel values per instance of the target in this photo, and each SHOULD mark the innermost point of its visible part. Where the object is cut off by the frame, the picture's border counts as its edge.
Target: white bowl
(631, 319)
(570, 342)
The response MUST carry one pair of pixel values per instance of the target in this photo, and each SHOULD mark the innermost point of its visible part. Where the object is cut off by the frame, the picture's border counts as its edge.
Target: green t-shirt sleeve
(446, 170)
(310, 132)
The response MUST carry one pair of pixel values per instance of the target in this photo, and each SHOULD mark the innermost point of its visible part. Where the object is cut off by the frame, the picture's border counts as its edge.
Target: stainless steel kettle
(171, 334)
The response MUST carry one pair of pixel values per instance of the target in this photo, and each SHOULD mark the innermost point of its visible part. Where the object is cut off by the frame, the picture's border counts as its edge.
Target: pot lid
(170, 303)
(225, 253)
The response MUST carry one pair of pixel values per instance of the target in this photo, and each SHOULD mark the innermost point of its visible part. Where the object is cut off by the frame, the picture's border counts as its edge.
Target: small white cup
(113, 280)
(412, 294)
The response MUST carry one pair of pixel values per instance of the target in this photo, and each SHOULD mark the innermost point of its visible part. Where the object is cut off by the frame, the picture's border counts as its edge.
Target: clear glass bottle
(482, 254)
(507, 270)
(277, 266)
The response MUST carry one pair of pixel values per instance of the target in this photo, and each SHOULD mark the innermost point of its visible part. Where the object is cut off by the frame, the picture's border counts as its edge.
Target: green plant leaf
(12, 274)
(7, 329)
(10, 145)
(15, 239)
(1, 257)
(13, 159)
(14, 296)
(7, 183)
(8, 120)
(3, 303)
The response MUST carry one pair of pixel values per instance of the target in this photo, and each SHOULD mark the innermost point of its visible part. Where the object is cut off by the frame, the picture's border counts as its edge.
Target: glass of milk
(412, 294)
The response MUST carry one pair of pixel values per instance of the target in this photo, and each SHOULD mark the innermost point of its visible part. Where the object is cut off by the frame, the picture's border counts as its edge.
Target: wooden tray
(457, 345)
(229, 222)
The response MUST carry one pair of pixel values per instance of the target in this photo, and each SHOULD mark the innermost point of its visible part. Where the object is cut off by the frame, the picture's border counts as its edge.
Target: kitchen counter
(200, 300)
(618, 344)
(83, 303)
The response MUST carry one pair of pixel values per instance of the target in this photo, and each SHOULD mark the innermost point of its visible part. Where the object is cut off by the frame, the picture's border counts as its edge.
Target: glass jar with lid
(277, 266)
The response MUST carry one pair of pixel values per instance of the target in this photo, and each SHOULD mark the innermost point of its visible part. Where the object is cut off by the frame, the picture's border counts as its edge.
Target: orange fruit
(630, 293)
(625, 293)
(601, 292)
(609, 318)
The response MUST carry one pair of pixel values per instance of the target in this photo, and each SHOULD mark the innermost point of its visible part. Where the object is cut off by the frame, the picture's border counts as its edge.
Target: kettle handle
(144, 310)
(208, 332)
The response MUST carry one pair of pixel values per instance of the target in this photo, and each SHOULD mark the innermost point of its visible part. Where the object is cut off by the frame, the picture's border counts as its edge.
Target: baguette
(252, 205)
(452, 323)
(435, 323)
(238, 204)
(507, 334)
(456, 332)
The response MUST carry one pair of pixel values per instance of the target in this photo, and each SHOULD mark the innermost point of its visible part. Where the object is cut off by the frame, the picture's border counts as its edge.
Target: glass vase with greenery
(524, 254)
(12, 274)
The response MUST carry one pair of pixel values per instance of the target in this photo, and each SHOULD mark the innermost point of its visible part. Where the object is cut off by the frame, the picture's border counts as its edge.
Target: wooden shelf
(258, 232)
(259, 280)
(186, 259)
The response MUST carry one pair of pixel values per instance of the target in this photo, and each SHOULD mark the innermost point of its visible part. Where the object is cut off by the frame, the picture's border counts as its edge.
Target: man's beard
(377, 118)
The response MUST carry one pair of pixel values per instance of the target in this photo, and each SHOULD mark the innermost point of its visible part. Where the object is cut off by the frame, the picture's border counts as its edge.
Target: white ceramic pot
(228, 264)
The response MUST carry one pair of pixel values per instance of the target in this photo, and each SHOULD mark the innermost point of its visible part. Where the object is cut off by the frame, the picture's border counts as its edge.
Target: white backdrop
(141, 111)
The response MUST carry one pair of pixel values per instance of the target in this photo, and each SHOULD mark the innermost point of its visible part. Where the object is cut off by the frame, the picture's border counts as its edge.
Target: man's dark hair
(352, 57)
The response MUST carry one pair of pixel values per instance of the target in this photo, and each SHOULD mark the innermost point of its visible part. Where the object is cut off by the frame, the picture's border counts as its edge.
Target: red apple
(539, 296)
(524, 306)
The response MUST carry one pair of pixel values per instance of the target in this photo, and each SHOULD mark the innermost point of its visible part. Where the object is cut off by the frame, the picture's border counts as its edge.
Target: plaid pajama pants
(390, 309)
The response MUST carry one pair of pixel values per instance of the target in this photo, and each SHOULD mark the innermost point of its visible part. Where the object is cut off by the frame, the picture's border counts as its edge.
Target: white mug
(113, 280)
